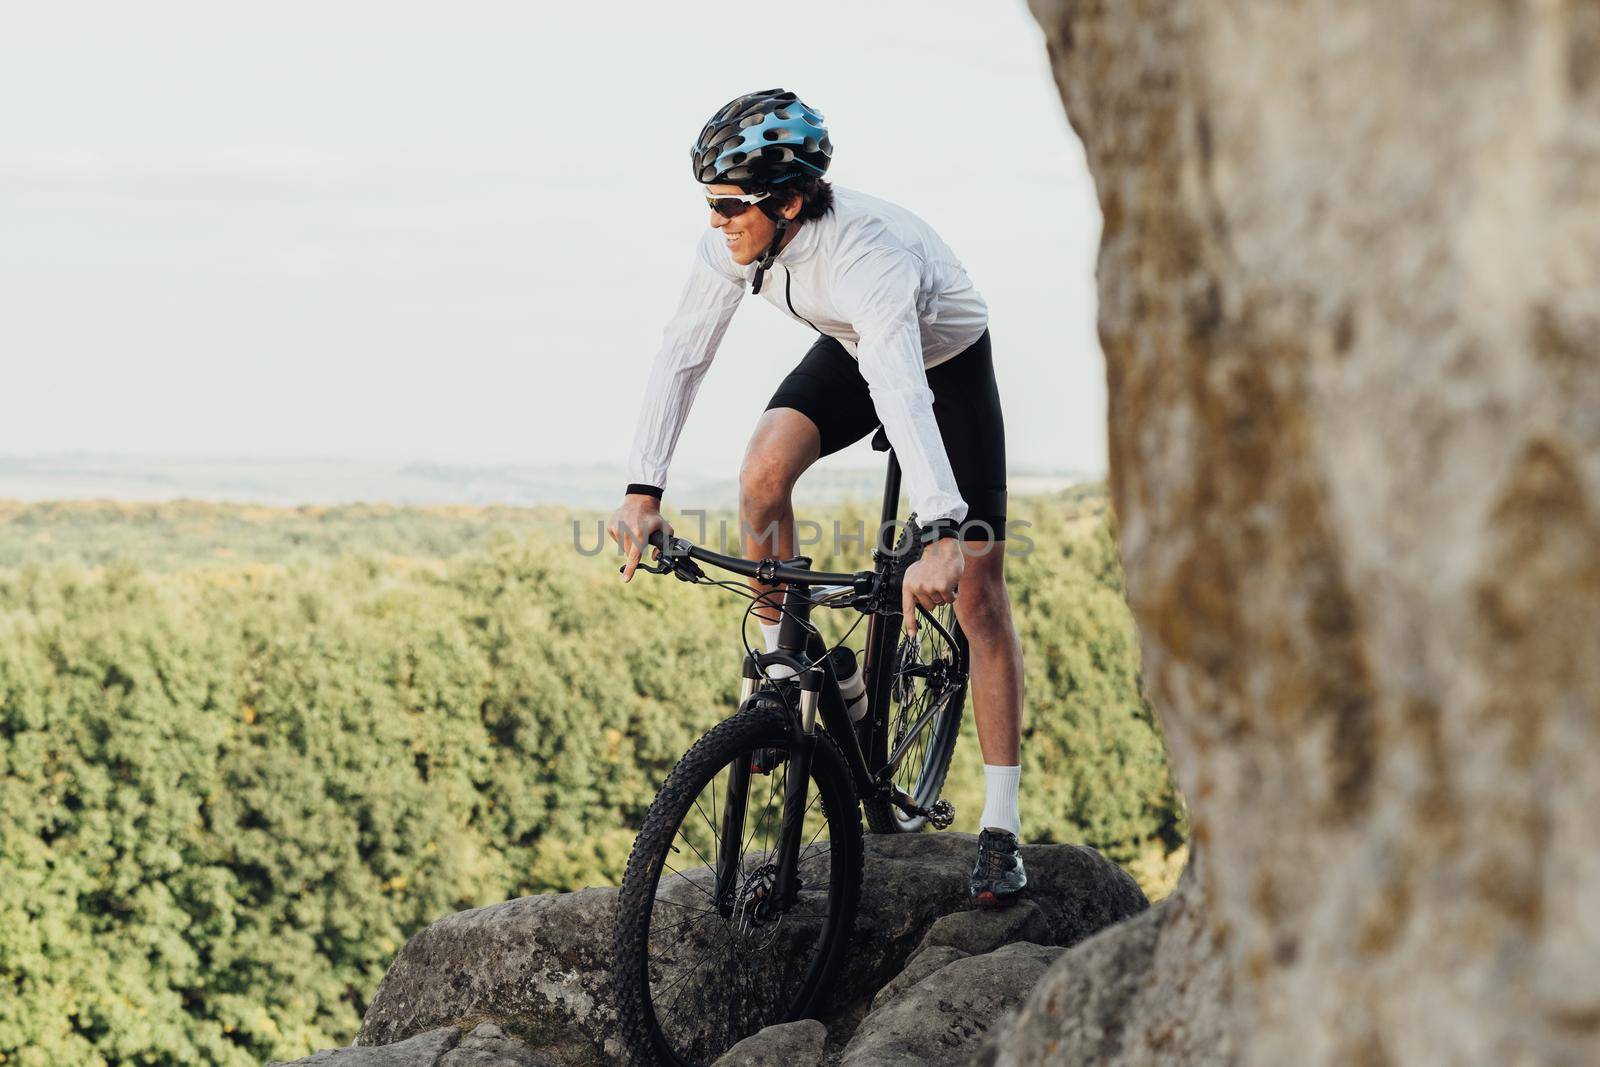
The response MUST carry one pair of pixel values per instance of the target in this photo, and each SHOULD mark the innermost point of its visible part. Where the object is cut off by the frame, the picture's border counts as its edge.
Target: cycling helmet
(763, 138)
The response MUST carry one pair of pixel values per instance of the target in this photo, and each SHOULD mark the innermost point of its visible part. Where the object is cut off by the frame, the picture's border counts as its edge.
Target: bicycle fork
(785, 886)
(794, 794)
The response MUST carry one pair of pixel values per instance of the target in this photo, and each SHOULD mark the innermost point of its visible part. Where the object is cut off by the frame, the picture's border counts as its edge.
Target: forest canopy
(246, 752)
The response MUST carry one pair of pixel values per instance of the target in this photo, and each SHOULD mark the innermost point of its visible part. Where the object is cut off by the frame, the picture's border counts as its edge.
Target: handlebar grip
(658, 539)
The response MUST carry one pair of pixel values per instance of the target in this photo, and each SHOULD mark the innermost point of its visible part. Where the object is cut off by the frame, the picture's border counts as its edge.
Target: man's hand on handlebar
(631, 525)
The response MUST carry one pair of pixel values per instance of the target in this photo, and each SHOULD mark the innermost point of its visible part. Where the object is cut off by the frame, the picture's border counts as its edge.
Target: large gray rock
(966, 933)
(922, 963)
(1350, 306)
(980, 930)
(486, 1045)
(540, 962)
(423, 1050)
(913, 881)
(944, 1018)
(540, 965)
(796, 1044)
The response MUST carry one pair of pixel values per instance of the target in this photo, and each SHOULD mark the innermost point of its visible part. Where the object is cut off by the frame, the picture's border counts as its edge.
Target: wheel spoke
(667, 950)
(686, 907)
(690, 881)
(754, 826)
(697, 853)
(706, 818)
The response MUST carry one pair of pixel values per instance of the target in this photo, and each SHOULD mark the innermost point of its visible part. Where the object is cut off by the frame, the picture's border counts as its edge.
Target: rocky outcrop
(538, 967)
(1350, 306)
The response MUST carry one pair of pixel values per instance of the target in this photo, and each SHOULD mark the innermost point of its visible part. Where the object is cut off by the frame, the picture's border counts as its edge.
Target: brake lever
(684, 568)
(661, 566)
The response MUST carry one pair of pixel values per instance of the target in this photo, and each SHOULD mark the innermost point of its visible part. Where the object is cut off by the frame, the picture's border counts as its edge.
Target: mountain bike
(742, 887)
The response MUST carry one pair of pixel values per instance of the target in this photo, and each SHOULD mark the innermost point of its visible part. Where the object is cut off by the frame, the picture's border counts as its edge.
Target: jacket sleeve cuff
(639, 488)
(940, 528)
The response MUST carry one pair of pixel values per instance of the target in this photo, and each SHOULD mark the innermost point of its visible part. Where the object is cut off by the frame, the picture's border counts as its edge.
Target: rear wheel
(927, 693)
(701, 962)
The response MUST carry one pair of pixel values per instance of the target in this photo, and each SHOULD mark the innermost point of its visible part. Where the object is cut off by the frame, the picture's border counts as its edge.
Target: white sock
(1000, 799)
(769, 630)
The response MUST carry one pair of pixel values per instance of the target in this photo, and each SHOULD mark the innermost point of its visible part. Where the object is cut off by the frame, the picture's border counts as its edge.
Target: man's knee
(784, 444)
(983, 604)
(764, 483)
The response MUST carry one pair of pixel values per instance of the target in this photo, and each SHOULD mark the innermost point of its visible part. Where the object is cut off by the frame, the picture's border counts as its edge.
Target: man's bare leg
(984, 608)
(784, 445)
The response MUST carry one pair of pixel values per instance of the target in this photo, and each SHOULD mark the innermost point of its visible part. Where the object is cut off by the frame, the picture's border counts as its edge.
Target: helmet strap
(765, 262)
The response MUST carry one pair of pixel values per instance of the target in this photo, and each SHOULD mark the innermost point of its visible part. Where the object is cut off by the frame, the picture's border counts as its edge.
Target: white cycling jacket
(871, 275)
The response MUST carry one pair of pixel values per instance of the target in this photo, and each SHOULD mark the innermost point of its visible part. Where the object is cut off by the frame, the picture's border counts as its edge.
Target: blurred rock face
(1350, 306)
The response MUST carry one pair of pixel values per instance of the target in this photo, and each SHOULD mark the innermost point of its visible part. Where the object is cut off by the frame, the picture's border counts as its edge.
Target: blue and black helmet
(764, 138)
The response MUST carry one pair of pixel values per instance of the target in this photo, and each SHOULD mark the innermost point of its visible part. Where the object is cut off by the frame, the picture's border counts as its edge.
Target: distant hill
(332, 481)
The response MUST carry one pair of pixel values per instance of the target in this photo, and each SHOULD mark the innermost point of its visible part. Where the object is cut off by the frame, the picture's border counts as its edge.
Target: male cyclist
(903, 341)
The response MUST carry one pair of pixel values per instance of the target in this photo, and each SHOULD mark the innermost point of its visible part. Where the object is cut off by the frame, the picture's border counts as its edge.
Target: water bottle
(852, 683)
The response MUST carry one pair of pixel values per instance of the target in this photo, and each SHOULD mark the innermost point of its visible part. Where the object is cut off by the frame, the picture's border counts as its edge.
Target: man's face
(748, 233)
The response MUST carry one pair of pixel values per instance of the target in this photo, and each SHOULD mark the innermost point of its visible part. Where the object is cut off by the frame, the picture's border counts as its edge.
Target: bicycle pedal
(942, 814)
(766, 760)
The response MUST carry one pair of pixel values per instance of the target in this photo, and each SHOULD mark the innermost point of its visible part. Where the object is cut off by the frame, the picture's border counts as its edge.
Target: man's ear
(791, 210)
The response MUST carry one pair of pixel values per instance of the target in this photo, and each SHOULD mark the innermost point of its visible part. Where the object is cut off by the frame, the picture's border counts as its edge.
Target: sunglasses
(731, 207)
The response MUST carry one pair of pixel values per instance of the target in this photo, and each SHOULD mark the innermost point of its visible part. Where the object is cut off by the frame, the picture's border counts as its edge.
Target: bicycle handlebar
(769, 570)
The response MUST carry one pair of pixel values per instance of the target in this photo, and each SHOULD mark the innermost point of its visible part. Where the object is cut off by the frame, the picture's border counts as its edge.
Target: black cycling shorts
(827, 388)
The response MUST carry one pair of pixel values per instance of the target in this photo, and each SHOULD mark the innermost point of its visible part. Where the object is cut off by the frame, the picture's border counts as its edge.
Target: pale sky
(455, 231)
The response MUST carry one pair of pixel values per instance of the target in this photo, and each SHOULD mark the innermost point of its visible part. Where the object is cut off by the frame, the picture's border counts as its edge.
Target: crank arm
(942, 814)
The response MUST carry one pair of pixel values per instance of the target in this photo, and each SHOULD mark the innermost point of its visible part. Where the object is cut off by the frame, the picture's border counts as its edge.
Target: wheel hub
(752, 905)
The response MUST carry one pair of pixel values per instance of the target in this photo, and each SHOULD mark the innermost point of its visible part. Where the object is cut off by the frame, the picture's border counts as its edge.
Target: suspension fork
(804, 745)
(793, 637)
(730, 840)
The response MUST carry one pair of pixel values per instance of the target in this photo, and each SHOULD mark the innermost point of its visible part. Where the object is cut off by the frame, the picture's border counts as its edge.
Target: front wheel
(708, 950)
